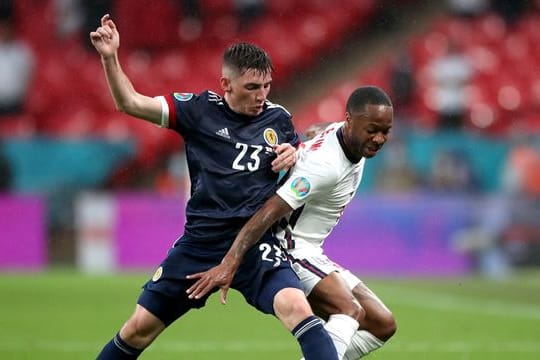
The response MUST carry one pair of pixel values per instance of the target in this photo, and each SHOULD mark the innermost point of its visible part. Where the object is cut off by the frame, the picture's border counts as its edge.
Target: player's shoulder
(204, 97)
(323, 149)
(316, 160)
(212, 97)
(325, 141)
(270, 106)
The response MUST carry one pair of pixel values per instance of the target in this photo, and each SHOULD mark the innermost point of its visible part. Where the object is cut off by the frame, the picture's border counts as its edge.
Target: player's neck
(231, 105)
(235, 109)
(345, 143)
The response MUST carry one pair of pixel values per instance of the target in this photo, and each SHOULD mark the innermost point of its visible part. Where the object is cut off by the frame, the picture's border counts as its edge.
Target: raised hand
(106, 38)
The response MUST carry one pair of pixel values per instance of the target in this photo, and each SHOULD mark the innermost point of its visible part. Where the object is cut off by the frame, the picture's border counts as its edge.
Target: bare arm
(272, 210)
(106, 40)
(222, 275)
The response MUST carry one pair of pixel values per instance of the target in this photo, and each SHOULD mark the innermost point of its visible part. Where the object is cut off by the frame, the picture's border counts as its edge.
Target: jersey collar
(348, 154)
(241, 117)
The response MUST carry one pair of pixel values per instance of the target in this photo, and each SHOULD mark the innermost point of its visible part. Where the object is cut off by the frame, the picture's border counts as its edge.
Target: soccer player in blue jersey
(304, 211)
(231, 145)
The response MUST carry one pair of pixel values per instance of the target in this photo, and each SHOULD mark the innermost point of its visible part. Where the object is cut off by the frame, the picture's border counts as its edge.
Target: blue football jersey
(229, 159)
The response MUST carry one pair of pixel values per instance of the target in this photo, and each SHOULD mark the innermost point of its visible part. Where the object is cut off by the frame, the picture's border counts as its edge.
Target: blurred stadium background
(446, 226)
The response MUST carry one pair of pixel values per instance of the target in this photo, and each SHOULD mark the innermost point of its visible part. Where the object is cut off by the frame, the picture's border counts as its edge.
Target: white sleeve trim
(164, 112)
(293, 203)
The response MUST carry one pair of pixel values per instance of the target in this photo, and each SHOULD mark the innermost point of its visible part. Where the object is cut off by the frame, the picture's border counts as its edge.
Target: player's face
(246, 93)
(368, 131)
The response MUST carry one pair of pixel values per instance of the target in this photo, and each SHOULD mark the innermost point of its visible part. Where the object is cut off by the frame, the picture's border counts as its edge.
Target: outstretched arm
(222, 275)
(106, 40)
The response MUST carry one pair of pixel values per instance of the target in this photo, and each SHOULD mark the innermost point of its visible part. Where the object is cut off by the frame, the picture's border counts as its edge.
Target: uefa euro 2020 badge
(183, 96)
(300, 186)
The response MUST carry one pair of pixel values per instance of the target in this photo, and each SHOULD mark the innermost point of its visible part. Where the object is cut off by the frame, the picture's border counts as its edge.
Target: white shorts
(312, 268)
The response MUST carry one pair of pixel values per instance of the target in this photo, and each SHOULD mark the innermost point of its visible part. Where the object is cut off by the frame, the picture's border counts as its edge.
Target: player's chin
(369, 153)
(253, 112)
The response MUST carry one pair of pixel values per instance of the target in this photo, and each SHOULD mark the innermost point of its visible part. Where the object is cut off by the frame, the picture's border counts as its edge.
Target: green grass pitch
(65, 315)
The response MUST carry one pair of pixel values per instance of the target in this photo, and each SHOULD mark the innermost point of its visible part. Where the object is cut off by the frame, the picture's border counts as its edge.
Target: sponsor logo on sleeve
(183, 96)
(300, 186)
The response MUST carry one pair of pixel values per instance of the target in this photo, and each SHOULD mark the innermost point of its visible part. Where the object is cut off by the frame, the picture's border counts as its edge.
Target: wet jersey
(229, 159)
(321, 184)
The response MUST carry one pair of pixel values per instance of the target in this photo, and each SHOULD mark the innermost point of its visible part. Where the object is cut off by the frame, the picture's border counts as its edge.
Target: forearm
(120, 87)
(125, 97)
(248, 236)
(274, 209)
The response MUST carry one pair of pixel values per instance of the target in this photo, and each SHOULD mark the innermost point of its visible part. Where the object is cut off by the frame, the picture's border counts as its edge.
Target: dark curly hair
(367, 95)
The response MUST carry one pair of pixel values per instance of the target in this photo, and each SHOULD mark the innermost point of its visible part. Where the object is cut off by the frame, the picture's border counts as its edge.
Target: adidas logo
(224, 133)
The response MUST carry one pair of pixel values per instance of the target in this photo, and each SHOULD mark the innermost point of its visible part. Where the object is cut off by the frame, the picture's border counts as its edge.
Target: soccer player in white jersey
(304, 211)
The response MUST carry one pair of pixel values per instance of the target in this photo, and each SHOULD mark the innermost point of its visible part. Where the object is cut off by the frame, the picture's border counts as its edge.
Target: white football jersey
(319, 187)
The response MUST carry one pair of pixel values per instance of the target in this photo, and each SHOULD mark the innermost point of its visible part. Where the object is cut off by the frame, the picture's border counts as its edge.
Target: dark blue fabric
(229, 160)
(315, 342)
(264, 271)
(118, 349)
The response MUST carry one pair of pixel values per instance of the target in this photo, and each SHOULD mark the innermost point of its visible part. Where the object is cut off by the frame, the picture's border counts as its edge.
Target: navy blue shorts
(264, 272)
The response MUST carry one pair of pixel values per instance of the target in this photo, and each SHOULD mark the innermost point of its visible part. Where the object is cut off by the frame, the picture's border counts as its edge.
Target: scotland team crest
(157, 274)
(183, 96)
(270, 136)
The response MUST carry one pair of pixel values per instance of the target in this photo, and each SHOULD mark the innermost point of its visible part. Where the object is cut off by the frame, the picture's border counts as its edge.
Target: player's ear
(225, 83)
(348, 117)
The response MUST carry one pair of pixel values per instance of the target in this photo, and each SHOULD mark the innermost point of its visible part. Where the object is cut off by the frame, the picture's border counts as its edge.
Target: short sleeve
(310, 176)
(179, 111)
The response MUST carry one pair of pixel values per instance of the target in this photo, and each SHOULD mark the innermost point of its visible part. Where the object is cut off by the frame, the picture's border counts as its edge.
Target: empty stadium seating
(503, 96)
(70, 99)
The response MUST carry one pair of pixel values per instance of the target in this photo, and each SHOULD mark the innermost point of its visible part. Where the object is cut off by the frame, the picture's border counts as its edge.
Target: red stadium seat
(490, 29)
(154, 28)
(279, 8)
(531, 123)
(217, 6)
(17, 126)
(70, 96)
